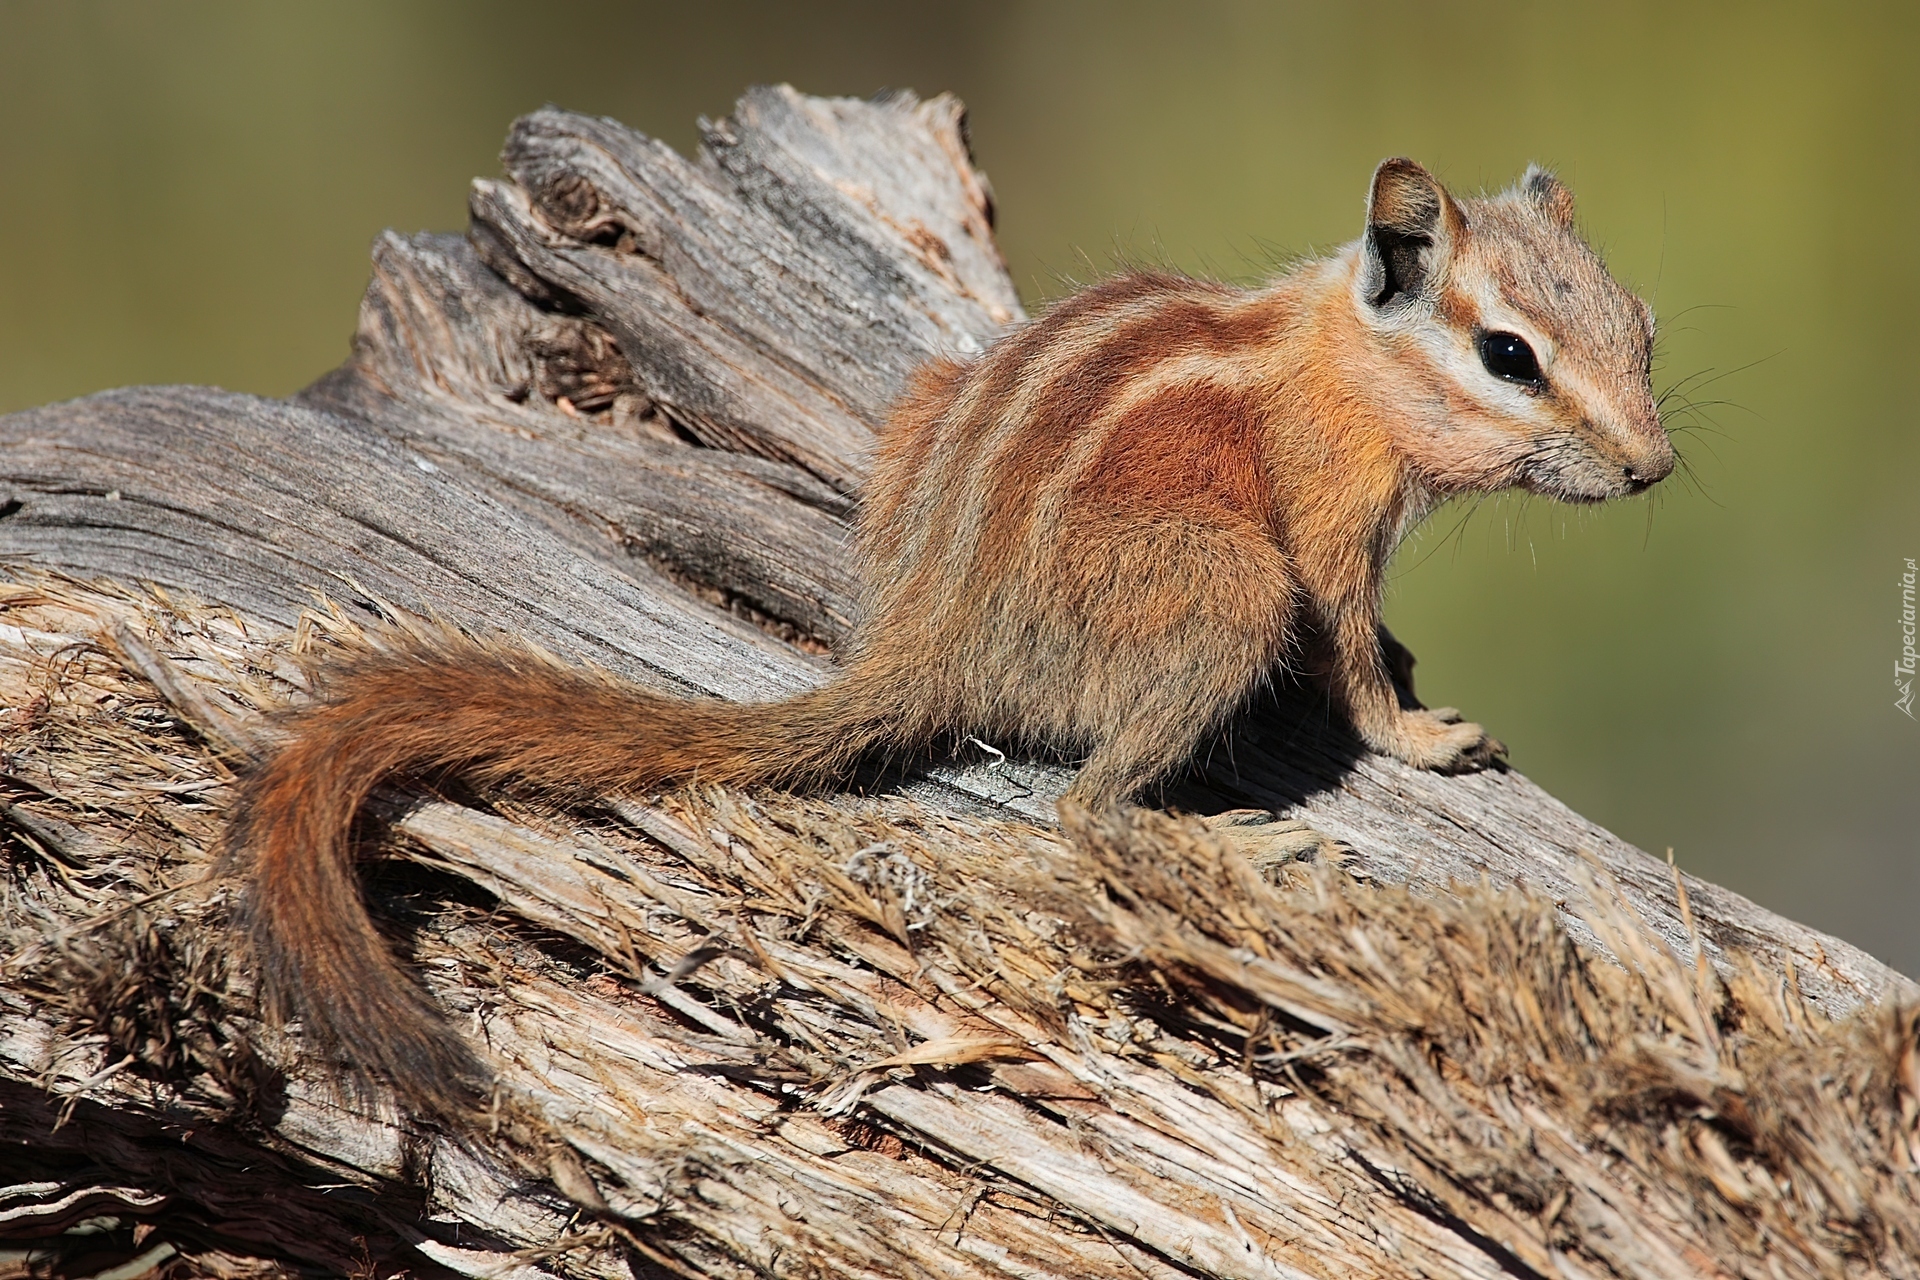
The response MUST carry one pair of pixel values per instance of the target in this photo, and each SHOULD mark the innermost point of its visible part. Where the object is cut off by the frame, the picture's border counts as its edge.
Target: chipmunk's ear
(1548, 195)
(1411, 222)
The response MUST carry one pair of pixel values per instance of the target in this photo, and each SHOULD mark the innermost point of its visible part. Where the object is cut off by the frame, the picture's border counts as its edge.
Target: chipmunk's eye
(1508, 356)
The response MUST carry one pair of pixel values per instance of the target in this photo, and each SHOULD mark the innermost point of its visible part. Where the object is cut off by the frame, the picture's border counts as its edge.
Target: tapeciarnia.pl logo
(1903, 667)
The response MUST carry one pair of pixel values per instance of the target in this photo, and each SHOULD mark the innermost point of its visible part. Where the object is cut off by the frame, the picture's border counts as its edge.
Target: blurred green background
(187, 193)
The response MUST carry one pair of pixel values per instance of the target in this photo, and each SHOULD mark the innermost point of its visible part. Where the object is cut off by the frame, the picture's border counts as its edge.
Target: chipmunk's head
(1527, 364)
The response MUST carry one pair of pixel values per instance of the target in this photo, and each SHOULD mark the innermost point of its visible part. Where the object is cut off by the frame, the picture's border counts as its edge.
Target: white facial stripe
(1497, 317)
(1456, 358)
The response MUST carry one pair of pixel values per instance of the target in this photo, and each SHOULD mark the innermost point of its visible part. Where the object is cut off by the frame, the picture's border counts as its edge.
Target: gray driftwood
(625, 418)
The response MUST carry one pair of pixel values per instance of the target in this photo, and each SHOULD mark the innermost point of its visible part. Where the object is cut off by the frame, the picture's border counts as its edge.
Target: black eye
(1508, 356)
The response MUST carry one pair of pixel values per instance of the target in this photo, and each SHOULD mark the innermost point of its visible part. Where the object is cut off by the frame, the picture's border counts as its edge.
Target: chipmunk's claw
(1486, 753)
(1443, 741)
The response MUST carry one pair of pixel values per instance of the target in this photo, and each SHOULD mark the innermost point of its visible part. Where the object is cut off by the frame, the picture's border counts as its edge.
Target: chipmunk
(1100, 534)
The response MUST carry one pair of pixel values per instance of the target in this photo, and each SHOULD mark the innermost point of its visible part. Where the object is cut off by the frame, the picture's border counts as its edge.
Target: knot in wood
(572, 206)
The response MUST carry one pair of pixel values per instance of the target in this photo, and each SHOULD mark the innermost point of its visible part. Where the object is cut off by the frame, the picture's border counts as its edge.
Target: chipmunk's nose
(1638, 445)
(1652, 467)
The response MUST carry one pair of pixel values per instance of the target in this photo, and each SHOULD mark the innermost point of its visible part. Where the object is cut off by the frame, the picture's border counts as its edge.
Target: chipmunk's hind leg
(1142, 753)
(1272, 843)
(1165, 668)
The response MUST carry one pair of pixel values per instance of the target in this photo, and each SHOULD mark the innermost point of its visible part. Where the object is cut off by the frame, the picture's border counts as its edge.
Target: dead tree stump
(917, 1033)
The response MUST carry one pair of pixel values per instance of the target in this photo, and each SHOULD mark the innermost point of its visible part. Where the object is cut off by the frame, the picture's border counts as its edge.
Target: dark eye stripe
(1507, 355)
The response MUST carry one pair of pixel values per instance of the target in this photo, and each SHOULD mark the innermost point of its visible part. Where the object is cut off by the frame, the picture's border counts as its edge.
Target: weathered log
(625, 419)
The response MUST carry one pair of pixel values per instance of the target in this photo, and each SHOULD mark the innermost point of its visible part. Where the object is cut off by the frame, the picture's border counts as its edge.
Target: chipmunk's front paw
(1440, 740)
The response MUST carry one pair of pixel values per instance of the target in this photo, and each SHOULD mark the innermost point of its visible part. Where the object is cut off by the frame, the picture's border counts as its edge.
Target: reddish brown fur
(491, 715)
(1099, 535)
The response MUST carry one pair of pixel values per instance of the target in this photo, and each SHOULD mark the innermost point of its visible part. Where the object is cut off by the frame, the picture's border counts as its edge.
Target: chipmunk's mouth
(1584, 486)
(1565, 483)
(1581, 495)
(1565, 470)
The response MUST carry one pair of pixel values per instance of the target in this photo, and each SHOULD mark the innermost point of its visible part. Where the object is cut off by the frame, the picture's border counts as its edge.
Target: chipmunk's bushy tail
(484, 715)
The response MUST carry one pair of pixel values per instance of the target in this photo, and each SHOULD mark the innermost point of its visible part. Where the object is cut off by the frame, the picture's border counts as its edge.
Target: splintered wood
(735, 1030)
(928, 1031)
